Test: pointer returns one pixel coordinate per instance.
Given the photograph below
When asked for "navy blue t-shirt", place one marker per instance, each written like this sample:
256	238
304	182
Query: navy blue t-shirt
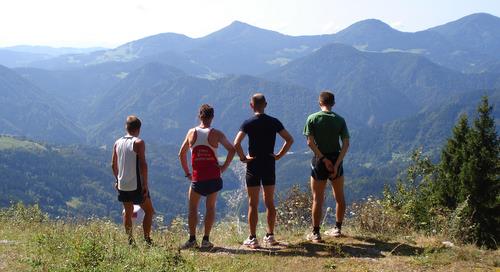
261	130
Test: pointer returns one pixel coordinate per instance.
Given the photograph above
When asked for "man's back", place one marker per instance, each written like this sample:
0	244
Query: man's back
327	128
128	174
261	130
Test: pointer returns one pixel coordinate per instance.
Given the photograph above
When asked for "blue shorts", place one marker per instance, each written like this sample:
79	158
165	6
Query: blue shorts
207	187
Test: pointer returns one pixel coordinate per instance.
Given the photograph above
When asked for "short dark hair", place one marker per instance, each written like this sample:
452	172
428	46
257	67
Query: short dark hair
206	112
258	100
133	123
326	98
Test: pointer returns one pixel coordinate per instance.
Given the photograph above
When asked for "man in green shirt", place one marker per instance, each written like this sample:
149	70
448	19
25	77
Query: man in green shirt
324	130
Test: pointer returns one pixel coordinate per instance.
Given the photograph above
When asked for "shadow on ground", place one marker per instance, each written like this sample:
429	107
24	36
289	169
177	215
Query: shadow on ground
341	247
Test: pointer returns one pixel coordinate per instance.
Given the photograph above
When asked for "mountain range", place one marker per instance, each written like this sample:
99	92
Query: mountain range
469	44
397	90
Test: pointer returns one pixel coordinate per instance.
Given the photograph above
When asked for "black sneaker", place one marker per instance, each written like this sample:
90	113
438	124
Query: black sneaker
131	241
148	241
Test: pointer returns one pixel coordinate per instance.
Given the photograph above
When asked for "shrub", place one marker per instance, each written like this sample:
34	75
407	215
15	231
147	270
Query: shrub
461	225
371	216
294	208
23	214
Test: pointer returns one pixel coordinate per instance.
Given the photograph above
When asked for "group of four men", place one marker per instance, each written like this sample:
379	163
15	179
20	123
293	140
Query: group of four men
323	130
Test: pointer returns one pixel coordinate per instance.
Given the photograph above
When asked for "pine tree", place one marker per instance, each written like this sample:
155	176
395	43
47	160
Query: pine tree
449	188
480	176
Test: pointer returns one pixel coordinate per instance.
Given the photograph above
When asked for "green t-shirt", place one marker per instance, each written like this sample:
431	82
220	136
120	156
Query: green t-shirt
327	128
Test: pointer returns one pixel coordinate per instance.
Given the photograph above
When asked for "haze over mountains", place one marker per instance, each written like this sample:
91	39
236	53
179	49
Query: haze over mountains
397	90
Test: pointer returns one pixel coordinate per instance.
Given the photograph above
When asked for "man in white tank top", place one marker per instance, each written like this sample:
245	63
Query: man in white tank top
131	177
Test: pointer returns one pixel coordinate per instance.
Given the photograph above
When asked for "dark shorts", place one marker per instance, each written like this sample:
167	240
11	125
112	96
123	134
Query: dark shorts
132	196
261	172
207	187
318	168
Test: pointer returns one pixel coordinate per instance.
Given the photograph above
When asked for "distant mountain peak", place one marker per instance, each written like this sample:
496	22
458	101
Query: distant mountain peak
479	16
371	24
240	26
239	29
236	23
474	23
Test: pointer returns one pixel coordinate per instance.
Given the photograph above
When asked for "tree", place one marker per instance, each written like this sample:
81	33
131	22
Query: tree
480	176
449	188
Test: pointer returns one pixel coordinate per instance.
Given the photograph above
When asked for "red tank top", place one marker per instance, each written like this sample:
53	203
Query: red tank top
204	157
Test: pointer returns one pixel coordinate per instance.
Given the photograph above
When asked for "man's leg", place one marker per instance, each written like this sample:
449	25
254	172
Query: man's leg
253	206
194	200
318	192
127	219
147	206
338	193
268	195
210	213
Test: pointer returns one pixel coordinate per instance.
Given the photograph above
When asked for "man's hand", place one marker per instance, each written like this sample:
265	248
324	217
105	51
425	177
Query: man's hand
335	170
189	176
116	185
247	159
329	165
145	191
223	169
276	156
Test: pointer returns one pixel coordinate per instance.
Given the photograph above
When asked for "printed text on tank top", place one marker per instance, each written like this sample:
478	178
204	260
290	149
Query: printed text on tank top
204	156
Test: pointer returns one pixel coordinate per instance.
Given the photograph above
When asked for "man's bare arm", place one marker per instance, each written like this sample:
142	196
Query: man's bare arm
114	166
183	155
343	152
286	145
312	145
230	151
140	149
239	150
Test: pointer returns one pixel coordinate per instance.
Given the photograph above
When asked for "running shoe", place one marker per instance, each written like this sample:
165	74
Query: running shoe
148	241
314	237
189	244
205	244
131	241
251	242
269	240
334	232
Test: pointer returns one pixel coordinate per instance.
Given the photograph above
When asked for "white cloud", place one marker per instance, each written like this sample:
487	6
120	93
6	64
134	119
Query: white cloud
396	24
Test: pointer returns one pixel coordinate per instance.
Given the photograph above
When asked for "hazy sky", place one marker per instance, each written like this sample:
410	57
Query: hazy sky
109	23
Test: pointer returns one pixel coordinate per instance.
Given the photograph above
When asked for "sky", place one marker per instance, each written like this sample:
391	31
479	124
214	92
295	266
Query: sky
110	23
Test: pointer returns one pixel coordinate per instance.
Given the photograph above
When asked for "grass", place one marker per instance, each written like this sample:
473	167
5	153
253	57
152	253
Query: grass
31	242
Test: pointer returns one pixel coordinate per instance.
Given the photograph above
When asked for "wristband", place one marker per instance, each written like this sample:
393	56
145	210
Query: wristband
187	175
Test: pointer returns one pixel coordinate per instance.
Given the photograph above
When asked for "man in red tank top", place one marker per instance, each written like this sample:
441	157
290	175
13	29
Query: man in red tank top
206	175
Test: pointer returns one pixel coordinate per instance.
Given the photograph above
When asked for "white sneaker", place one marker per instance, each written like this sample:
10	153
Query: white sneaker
188	245
251	243
314	237
334	232
269	240
206	244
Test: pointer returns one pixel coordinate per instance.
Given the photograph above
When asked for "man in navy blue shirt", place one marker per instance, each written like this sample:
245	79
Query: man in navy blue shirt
261	130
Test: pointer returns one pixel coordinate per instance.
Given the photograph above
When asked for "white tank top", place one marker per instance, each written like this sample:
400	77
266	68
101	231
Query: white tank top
128	164
202	139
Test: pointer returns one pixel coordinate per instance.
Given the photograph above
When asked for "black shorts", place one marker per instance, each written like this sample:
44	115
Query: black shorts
132	196
261	172
318	168
207	187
